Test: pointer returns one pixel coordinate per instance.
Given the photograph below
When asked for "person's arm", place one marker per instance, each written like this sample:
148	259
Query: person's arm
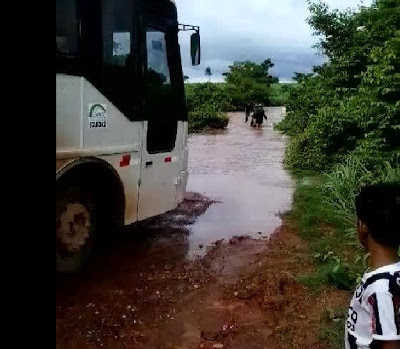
385	317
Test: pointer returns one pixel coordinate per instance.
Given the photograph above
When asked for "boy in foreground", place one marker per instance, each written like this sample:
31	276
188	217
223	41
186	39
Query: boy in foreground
374	314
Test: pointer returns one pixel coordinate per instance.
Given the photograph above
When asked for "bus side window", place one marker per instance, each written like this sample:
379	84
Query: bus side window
117	75
121	47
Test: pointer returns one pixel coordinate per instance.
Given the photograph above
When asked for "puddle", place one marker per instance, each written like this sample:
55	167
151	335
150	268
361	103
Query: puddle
240	167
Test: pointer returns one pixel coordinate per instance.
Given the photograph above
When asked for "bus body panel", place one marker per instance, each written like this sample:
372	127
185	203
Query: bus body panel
150	189
129	176
160	178
89	126
184	153
119	132
68	113
76	140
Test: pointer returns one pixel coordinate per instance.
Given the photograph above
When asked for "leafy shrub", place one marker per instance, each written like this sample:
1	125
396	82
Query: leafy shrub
207	118
207	105
207	95
349	106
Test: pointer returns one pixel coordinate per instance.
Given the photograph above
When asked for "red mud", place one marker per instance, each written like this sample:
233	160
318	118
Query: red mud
144	293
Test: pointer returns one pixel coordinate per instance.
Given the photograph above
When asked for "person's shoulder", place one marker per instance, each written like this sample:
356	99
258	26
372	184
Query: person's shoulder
382	280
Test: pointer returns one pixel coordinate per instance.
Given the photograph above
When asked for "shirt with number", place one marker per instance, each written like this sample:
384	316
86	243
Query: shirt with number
374	312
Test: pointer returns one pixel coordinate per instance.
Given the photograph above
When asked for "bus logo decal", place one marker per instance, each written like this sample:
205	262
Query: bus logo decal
97	115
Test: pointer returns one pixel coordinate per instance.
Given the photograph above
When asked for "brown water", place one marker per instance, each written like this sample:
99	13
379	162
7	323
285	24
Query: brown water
240	167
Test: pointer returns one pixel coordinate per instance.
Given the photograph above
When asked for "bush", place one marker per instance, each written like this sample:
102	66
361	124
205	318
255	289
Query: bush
203	119
350	106
280	93
303	154
207	105
207	95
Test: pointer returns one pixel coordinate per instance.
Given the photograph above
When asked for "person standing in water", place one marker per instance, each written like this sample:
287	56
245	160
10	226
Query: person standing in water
248	109
259	115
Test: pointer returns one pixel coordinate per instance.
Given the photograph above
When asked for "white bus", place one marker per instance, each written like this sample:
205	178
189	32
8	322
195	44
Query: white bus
121	119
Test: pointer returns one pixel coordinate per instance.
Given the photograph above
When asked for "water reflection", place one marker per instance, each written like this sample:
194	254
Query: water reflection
240	167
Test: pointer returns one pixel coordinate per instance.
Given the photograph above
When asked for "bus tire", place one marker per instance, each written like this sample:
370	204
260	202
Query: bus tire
76	228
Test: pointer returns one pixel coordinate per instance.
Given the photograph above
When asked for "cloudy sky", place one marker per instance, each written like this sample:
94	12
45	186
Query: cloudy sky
234	30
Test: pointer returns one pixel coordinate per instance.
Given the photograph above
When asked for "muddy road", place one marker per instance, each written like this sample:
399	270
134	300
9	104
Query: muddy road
206	275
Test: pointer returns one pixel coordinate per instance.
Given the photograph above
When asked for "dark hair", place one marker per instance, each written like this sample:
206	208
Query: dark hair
378	206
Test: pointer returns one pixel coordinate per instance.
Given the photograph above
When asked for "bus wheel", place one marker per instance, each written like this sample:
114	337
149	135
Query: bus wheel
75	230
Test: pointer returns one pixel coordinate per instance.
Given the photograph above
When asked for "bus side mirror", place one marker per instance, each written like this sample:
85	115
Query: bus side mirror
195	48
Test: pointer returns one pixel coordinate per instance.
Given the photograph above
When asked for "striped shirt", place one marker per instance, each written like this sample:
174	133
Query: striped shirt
374	312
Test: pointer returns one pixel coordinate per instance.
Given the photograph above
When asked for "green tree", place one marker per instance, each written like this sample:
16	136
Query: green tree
299	77
208	73
350	105
250	81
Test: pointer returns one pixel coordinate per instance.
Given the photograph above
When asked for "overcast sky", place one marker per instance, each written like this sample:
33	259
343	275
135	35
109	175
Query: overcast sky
233	30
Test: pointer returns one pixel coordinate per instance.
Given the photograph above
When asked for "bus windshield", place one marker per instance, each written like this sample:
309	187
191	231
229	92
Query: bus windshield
157	59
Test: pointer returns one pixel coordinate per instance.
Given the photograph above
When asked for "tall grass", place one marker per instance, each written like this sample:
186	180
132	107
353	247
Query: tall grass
346	180
339	257
325	215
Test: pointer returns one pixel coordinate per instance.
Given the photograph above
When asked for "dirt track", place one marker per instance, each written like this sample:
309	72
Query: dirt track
149	290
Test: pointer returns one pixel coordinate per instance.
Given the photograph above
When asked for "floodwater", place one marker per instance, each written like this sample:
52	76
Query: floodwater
150	291
241	168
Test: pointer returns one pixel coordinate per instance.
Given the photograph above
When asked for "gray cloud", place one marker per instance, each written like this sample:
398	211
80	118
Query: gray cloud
233	30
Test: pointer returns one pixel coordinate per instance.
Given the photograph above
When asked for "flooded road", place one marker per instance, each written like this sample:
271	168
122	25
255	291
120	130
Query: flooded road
241	168
147	290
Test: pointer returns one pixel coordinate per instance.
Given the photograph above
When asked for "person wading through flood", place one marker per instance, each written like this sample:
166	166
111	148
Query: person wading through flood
248	109
258	116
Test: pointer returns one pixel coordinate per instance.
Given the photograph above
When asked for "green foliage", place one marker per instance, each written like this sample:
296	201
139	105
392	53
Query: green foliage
210	95
207	104
349	106
330	238
280	93
333	325
249	81
345	181
207	118
344	122
324	213
335	273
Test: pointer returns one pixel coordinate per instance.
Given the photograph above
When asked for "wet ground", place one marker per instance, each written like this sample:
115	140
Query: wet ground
241	168
204	275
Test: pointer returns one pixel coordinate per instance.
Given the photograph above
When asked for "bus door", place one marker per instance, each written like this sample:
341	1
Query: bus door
160	165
